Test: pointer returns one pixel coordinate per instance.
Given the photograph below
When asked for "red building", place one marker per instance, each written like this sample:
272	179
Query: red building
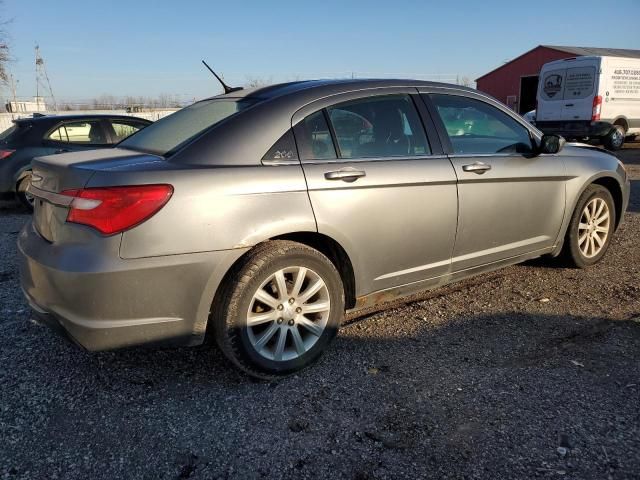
516	82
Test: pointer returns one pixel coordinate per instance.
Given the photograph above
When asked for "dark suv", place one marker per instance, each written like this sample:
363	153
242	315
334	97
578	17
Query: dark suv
49	134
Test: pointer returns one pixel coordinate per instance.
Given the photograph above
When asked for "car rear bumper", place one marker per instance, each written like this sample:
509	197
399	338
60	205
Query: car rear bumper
575	129
109	303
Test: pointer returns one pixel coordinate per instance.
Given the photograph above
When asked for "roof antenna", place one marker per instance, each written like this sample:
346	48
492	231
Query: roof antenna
227	88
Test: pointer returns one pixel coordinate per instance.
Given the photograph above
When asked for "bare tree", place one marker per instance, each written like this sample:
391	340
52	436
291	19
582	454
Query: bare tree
466	81
5	56
255	82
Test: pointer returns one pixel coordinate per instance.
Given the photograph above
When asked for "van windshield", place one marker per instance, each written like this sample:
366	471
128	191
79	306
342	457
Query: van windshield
168	134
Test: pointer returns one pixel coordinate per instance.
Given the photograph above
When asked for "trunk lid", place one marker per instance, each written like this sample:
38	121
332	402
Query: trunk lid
56	173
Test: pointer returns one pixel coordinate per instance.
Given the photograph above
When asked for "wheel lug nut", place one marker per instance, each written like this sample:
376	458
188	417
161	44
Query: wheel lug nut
291	300
291	323
298	310
280	321
280	307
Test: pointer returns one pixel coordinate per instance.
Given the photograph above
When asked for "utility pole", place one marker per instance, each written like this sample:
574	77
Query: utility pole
13	83
42	79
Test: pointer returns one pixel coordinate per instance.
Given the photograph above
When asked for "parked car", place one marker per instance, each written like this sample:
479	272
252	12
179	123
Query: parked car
590	97
259	216
42	135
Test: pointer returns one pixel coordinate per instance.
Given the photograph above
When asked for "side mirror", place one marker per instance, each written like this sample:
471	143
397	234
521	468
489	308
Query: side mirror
551	144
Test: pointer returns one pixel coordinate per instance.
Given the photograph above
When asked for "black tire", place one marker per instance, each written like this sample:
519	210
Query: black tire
233	301
572	252
21	192
615	138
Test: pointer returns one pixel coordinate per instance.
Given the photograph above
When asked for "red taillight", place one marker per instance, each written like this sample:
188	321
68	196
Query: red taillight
4	153
597	108
115	209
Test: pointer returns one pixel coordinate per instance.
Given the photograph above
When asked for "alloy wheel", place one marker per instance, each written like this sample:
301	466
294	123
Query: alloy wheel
288	313
594	226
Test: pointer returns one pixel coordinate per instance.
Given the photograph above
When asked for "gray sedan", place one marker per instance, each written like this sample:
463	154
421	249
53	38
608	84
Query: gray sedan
259	216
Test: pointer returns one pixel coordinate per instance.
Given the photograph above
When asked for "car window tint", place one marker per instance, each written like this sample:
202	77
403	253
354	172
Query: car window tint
85	132
8	132
123	129
314	138
169	134
385	126
475	126
283	149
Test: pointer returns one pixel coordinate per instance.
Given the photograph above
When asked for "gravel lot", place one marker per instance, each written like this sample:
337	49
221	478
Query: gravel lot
530	372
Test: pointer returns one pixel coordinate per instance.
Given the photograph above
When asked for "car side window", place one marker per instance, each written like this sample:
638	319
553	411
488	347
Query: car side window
82	133
314	138
476	127
123	129
283	149
383	126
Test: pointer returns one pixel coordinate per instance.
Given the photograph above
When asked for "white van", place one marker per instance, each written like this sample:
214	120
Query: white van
590	97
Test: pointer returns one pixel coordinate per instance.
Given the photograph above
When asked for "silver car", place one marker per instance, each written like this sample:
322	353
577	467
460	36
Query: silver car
258	217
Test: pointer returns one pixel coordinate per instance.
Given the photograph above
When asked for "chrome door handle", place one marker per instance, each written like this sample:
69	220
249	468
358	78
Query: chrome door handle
347	174
476	167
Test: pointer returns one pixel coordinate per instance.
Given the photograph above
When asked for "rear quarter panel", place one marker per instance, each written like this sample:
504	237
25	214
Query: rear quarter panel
216	208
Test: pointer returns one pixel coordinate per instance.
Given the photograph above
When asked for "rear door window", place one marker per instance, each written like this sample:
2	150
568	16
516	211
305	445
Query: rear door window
476	127
80	133
384	126
314	138
124	128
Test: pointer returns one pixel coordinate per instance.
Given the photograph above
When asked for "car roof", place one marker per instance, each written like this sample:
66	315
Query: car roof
83	116
277	90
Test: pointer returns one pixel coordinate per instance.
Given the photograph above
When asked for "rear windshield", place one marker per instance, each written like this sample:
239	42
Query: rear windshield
168	134
14	131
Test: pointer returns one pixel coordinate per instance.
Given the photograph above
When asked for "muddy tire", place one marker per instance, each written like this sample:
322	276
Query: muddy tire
279	309
591	228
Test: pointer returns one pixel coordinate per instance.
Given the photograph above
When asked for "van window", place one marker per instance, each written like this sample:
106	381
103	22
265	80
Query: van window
552	84
579	82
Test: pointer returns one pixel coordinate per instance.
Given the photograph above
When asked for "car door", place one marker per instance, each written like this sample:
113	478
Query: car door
378	186
74	135
511	202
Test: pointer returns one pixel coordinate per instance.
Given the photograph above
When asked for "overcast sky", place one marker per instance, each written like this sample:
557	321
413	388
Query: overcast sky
144	47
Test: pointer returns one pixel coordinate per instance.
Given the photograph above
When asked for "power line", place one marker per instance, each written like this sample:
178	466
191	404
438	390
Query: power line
42	79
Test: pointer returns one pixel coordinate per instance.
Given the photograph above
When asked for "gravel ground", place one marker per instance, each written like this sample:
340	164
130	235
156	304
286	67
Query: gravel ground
530	372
